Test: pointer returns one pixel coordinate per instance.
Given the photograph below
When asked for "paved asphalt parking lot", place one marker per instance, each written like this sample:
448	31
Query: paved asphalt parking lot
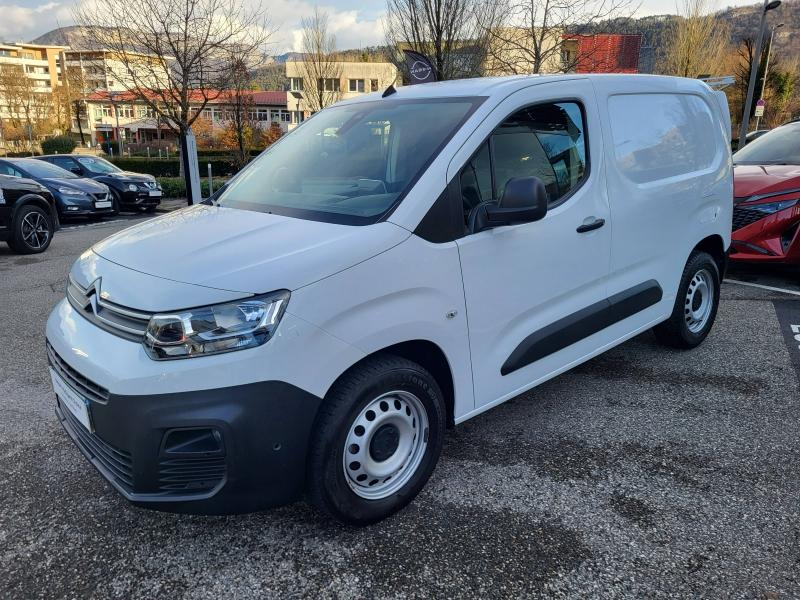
645	472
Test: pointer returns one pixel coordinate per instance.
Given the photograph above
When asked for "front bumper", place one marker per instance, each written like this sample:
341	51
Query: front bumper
69	206
220	451
261	402
772	238
139	199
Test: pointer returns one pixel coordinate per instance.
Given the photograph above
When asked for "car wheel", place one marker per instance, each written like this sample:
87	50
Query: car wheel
376	440
695	305
116	202
32	230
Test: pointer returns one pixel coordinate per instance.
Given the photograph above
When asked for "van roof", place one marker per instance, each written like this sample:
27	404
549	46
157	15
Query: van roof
489	86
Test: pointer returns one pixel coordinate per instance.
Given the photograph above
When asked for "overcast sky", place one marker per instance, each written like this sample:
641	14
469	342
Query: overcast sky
356	23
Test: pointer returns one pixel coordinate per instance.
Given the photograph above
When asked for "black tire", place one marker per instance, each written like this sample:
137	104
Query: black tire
682	330
23	240
329	488
116	202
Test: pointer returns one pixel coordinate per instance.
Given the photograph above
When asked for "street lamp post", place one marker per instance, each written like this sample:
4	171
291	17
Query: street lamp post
766	66
751	85
113	97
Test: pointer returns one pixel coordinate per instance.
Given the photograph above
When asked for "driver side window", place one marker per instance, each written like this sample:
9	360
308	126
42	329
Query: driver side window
545	140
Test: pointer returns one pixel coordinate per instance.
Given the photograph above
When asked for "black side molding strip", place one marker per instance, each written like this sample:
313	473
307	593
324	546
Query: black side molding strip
582	324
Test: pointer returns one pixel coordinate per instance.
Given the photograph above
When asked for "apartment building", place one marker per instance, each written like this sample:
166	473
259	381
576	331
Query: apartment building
112	114
343	80
105	70
41	67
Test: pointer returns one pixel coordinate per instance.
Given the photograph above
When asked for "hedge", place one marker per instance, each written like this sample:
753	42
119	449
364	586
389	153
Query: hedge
175	187
60	144
162	167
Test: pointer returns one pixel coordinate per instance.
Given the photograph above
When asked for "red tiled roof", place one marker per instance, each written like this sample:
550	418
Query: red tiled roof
268	98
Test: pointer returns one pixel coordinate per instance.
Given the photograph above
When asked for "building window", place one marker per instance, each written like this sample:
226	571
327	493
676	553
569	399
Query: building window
298	116
102	111
286	116
125	112
373	85
357	85
328	85
296	84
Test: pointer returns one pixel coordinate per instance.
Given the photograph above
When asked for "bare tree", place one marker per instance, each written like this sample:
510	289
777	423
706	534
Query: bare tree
320	68
175	56
534	33
28	108
239	104
697	43
453	34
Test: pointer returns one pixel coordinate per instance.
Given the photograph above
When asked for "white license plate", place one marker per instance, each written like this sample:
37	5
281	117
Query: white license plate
156	193
75	403
102	204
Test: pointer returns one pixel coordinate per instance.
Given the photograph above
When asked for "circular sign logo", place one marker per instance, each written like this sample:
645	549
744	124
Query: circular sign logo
420	70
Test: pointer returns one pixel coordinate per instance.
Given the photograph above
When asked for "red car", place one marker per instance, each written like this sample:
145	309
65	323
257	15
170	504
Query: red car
766	188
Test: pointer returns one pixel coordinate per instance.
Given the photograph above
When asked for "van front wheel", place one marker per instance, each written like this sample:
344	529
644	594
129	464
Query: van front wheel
376	440
695	305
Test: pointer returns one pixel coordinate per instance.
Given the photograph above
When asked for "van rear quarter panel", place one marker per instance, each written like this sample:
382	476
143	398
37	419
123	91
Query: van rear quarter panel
660	206
412	291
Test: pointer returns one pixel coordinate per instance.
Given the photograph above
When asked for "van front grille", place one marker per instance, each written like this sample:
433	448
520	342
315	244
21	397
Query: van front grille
195	474
80	383
117	463
124	322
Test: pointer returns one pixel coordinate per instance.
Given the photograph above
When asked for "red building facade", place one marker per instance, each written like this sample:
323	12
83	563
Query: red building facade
602	53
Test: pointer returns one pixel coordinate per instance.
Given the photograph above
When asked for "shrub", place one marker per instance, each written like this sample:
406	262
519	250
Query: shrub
175	187
23	154
60	144
220	166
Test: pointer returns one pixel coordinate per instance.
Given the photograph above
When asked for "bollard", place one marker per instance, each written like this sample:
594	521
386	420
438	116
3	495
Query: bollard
210	182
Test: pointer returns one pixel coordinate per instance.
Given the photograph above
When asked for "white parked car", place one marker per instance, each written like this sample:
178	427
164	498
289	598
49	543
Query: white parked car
393	267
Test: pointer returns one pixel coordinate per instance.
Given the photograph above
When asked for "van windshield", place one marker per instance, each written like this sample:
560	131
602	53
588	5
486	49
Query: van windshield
349	164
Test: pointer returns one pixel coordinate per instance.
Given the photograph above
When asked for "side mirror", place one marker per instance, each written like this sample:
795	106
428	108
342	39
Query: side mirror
524	201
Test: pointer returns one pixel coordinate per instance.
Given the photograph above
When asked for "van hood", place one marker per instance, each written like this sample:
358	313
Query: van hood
755	180
244	251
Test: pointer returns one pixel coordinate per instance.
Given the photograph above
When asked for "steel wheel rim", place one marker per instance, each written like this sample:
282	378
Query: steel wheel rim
35	231
366	443
699	301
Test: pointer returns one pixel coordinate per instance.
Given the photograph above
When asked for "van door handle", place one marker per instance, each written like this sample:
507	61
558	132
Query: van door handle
591	226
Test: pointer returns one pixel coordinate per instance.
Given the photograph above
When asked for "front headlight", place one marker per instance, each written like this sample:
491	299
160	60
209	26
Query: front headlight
214	329
71	191
133	187
774	207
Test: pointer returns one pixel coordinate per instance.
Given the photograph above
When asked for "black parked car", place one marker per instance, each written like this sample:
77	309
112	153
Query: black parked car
128	190
28	216
75	196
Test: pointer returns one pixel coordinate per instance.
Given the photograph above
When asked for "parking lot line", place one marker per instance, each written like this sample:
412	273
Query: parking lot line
763	287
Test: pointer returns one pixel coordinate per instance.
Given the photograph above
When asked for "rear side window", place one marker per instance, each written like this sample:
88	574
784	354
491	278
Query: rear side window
64	163
661	135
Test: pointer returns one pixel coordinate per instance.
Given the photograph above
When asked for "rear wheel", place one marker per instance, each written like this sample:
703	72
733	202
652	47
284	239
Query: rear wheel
32	230
376	440
695	305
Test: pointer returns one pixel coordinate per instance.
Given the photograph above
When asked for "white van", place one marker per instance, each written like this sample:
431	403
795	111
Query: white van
396	265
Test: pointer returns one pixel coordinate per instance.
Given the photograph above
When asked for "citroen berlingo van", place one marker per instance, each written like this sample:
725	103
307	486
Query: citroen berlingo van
398	264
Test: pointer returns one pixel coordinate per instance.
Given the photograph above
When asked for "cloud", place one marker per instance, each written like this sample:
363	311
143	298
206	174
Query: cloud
23	23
